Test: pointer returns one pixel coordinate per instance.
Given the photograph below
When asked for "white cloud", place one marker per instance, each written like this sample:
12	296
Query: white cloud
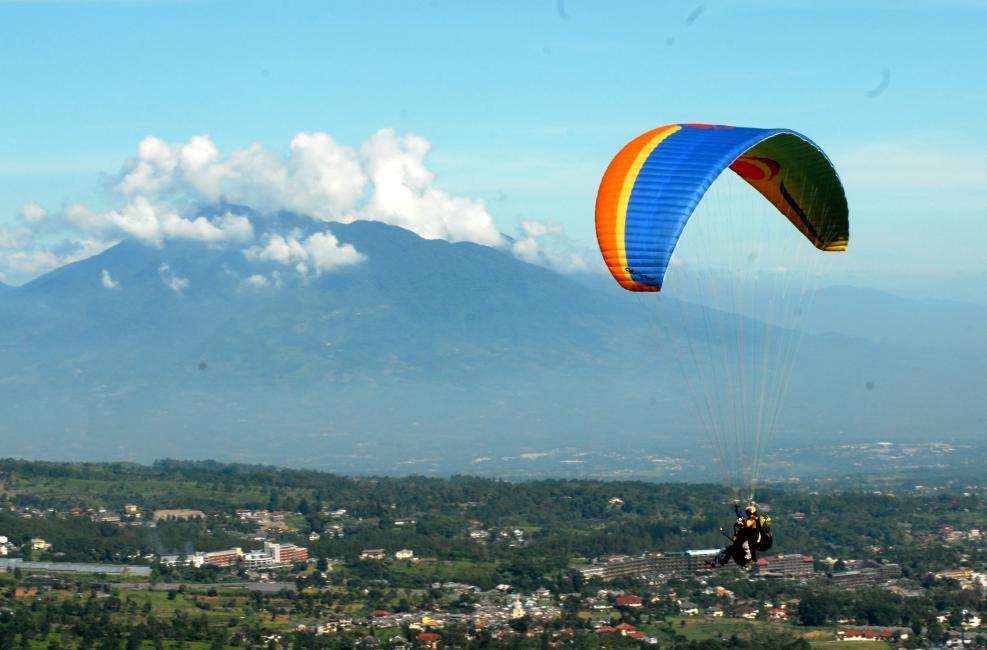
384	179
404	194
257	280
152	169
318	252
325	178
33	262
544	244
107	281
32	212
535	229
15	238
30	262
177	284
319	177
174	282
526	250
152	223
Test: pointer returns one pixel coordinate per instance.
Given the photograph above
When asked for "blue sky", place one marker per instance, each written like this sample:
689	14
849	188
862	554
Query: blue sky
523	103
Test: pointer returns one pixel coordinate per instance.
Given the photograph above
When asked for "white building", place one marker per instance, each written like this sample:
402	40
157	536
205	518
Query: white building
255	560
404	554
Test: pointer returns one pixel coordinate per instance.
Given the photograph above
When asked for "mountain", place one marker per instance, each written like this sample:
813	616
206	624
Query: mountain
887	318
426	357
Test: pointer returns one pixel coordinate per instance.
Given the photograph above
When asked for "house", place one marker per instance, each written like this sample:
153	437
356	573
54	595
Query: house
373	554
428	640
777	614
178	513
404	554
38	544
629	601
625	629
872	633
131	509
688	609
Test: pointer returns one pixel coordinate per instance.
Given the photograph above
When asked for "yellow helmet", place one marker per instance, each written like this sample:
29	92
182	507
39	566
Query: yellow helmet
750	510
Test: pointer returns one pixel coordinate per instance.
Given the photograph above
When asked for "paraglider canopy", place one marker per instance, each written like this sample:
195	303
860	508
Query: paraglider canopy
655	182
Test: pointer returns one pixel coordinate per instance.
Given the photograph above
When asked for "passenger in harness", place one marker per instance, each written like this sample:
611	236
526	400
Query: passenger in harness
751	533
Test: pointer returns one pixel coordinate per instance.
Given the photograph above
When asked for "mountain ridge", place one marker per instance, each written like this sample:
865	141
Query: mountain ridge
425	356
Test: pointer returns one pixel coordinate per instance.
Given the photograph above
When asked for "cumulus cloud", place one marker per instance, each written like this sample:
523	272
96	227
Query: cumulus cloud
535	229
152	223
176	283
319	177
107	281
15	238
544	244
386	178
316	253
32	212
404	193
30	262
35	261
258	280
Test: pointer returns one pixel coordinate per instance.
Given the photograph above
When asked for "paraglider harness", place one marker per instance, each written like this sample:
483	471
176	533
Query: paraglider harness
746	541
764	539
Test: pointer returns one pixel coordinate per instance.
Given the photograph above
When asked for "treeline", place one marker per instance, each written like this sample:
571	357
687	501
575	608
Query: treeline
560	519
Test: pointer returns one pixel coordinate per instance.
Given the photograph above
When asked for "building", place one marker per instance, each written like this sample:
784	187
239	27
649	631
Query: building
286	553
777	614
650	564
858	578
257	560
404	554
872	633
226	557
178	513
38	544
785	566
629	601
688	608
871	573
373	554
